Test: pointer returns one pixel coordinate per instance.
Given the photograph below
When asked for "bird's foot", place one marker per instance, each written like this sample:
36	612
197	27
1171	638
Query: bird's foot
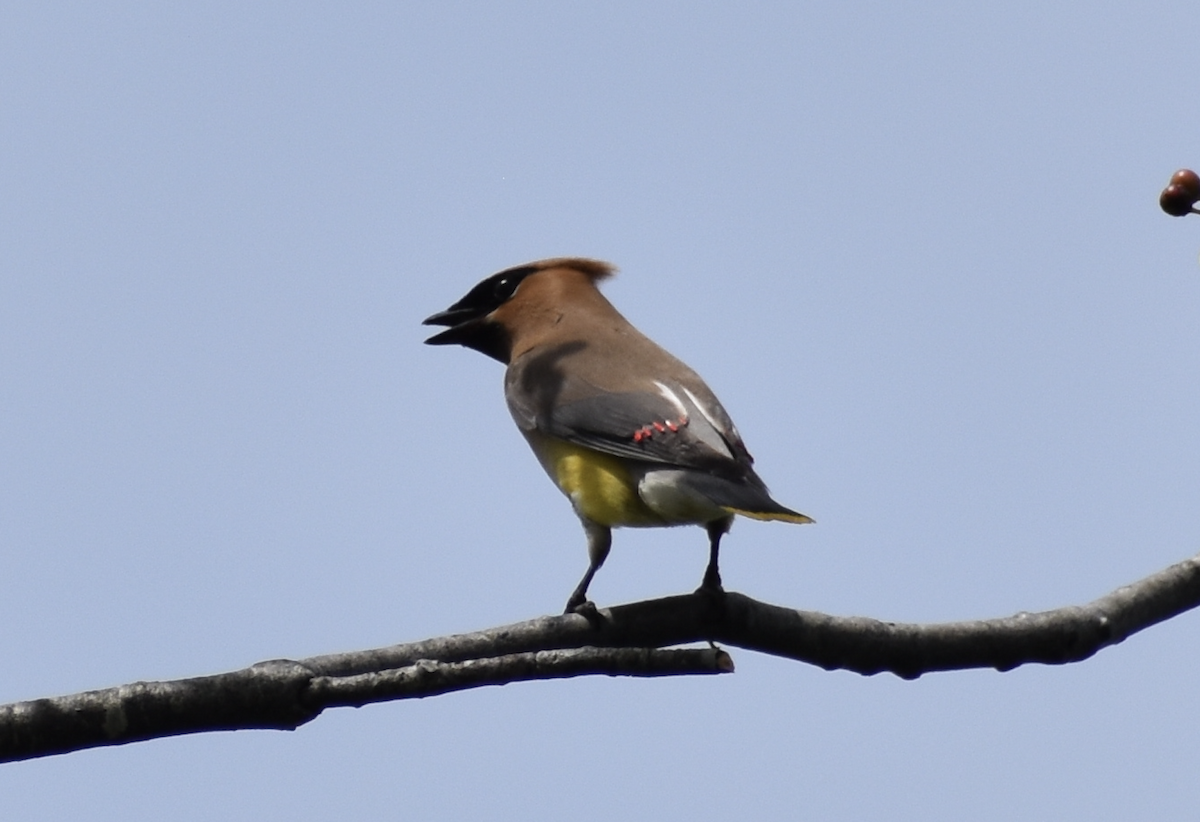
586	609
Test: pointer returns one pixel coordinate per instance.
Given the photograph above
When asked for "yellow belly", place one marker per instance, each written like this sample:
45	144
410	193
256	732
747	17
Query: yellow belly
599	485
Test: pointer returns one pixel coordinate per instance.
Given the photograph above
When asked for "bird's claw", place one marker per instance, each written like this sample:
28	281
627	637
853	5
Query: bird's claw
586	609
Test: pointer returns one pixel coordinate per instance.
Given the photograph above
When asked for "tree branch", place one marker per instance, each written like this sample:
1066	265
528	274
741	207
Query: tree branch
283	694
626	640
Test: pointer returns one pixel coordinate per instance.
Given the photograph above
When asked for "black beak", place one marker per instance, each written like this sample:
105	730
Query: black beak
463	325
456	335
451	316
469	327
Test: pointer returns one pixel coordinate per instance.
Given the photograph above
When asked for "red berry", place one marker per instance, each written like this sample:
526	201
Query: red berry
1176	200
1189	181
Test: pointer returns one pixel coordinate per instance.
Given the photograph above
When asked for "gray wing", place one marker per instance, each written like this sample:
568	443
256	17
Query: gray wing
670	425
647	426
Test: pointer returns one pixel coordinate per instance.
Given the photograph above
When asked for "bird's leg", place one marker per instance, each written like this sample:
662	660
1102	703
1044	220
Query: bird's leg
712	574
579	596
599	539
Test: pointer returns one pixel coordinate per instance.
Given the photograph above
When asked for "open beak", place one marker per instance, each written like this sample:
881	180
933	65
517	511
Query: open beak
467	324
463	324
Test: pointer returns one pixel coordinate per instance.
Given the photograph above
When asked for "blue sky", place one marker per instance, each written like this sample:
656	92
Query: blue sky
917	253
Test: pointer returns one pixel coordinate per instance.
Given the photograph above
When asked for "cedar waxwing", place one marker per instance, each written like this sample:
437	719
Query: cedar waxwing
629	433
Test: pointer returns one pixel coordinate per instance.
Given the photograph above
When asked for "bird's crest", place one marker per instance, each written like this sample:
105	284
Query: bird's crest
594	270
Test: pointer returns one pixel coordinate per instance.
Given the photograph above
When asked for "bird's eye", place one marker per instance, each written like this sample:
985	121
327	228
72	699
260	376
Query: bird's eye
505	287
498	288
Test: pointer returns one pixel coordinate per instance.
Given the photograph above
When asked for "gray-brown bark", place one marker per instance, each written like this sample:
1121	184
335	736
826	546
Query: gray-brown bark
627	640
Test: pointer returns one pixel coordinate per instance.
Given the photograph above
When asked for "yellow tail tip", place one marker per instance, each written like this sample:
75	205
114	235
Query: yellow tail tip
773	516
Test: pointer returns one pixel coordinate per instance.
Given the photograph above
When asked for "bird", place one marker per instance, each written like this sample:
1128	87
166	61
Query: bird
630	434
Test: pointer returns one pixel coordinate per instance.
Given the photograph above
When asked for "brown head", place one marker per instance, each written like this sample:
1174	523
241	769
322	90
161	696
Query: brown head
513	310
